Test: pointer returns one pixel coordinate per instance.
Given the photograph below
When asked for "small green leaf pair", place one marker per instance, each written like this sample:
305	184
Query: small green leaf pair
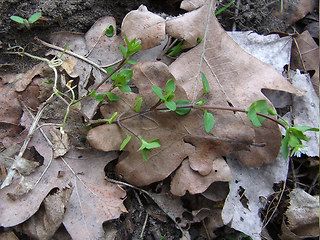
147	146
259	106
293	139
133	46
101	96
121	79
168	98
33	18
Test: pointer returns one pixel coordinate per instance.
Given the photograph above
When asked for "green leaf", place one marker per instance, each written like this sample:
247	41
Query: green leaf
34	17
200	102
205	83
93	93
169	96
123	51
260	106
170	86
110	120
110	70
148	144
125	142
158	92
208	121
132	62
171	105
224	8
125	88
138	104
284	146
112	97
18	19
145	154
306	128
99	97
109	31
133	46
272	112
176	49
294	141
123	77
182	111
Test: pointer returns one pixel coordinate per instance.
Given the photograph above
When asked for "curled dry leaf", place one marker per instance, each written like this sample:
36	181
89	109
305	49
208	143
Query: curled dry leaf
61	143
144	25
45	222
190	27
190	5
187	179
303	214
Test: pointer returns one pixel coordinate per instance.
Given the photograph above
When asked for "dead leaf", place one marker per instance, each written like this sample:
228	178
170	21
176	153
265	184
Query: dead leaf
95	45
21	189
187	179
145	26
234	81
190	5
61	143
306	58
93	201
8	236
68	64
44	223
189	27
303	214
294	10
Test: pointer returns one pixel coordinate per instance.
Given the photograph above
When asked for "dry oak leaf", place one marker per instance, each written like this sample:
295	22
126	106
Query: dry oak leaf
176	134
92	202
236	79
144	25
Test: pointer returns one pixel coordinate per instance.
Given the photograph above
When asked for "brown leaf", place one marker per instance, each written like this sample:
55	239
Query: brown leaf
190	27
187	179
190	5
93	201
294	10
44	223
144	25
234	81
61	143
306	57
91	45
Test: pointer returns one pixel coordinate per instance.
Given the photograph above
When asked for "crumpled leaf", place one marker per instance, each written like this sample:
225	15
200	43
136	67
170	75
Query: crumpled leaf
93	200
187	179
61	143
308	54
294	10
90	45
190	5
235	81
45	222
302	216
144	25
190	27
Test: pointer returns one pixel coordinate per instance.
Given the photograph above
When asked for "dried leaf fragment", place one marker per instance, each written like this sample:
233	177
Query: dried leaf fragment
144	25
60	141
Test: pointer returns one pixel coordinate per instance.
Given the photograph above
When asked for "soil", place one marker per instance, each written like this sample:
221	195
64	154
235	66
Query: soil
79	16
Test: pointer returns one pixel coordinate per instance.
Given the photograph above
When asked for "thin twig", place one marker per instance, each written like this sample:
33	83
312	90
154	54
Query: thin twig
76	55
144	225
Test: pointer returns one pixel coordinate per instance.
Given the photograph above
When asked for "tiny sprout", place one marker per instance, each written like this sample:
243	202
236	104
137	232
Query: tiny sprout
26	22
109	31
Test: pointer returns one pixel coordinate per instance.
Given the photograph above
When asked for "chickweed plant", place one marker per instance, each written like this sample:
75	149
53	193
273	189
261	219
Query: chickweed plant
257	112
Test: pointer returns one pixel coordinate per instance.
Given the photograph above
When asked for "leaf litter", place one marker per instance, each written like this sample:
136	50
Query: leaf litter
186	149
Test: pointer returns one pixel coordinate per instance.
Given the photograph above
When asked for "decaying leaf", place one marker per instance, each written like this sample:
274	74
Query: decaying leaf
235	81
189	27
61	143
92	201
303	214
145	26
306	58
44	223
190	5
20	189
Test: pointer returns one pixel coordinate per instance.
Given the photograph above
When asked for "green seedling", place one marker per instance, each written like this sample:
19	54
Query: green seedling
125	142
133	46
176	49
109	31
26	22
259	106
147	146
224	8
138	104
102	96
167	99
